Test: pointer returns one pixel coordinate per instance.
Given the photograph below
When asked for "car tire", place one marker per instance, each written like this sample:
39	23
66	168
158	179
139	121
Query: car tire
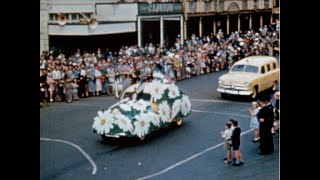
254	93
142	138
105	138
223	95
274	87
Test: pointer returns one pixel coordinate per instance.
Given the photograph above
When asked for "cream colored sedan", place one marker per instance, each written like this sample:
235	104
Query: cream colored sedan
250	76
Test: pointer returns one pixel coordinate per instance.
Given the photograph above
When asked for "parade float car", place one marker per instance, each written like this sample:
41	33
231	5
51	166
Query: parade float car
250	76
143	108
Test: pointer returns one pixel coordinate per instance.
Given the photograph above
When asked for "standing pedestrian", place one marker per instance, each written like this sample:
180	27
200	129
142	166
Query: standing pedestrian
265	117
276	111
254	123
226	134
235	138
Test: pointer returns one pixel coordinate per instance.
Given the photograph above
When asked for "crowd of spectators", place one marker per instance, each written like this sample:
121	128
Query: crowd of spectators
84	74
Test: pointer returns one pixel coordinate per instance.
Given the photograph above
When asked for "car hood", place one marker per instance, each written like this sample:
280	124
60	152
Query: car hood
237	77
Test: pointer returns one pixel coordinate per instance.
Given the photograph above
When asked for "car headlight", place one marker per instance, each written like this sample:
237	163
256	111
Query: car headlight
247	84
220	81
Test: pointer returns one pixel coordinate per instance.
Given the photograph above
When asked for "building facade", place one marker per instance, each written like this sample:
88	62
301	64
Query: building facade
108	22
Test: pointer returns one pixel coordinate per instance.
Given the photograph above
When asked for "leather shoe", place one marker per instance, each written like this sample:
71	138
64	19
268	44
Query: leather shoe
237	164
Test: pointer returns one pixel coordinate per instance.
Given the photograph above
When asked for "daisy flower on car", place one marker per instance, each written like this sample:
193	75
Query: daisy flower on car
176	108
173	91
123	122
157	89
141	126
185	105
125	107
140	105
164	111
154	118
103	122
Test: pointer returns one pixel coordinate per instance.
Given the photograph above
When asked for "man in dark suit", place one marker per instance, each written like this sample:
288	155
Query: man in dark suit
265	117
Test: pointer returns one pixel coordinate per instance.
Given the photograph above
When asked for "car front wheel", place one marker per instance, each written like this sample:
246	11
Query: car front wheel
142	138
179	121
254	93
223	95
105	138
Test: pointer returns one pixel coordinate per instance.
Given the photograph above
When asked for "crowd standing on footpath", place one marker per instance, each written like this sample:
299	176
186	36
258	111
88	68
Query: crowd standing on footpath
84	74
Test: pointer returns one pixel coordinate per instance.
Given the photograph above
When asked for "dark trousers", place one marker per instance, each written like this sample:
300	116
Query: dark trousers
266	141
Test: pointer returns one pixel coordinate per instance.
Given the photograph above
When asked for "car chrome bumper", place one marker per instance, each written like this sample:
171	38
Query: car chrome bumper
234	92
116	135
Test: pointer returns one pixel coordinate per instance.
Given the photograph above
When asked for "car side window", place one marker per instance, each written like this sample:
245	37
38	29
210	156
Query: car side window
268	67
262	70
250	68
274	65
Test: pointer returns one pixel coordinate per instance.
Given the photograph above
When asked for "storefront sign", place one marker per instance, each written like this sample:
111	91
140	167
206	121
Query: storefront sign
159	8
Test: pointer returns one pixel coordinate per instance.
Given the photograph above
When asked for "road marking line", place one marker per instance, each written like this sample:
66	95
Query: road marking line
186	160
79	148
194	110
216	100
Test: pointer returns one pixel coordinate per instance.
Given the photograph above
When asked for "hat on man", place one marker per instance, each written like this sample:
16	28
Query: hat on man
265	98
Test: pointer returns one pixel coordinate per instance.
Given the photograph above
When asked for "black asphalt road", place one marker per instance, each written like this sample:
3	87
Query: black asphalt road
70	150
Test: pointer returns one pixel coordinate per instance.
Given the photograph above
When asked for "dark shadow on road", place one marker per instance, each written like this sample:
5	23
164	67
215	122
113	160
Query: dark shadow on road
124	142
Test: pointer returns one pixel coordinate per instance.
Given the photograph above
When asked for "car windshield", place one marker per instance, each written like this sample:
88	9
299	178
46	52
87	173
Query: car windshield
245	68
144	96
127	94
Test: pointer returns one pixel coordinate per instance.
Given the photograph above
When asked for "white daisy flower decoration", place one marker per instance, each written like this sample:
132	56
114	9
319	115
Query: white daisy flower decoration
115	111
140	105
173	91
185	105
125	107
176	108
103	122
123	122
154	118
157	89
164	111
141	126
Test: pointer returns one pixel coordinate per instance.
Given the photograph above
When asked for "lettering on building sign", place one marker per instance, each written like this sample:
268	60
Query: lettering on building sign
157	8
